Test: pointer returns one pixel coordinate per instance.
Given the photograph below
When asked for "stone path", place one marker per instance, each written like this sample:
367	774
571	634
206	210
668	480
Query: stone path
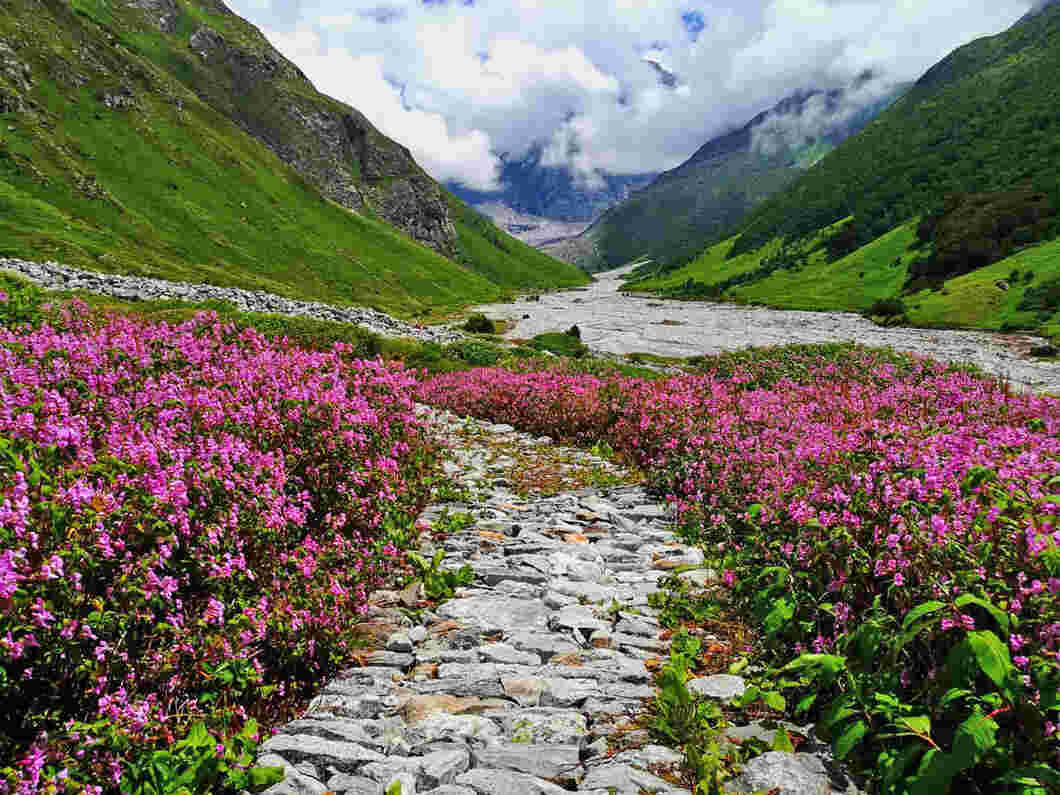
521	683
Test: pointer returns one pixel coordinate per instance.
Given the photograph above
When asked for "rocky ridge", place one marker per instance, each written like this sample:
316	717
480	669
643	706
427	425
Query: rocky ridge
53	276
331	144
523	682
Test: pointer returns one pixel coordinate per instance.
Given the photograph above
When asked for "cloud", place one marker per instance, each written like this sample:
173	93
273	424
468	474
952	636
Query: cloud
463	81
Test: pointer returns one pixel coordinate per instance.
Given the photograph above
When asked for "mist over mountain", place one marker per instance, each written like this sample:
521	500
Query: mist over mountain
684	209
537	193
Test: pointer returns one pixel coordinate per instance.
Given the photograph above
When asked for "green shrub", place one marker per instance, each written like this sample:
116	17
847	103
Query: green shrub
480	324
561	344
887	307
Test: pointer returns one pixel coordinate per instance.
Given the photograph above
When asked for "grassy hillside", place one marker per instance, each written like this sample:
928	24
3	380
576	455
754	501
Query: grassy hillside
1019	292
947	205
982	119
111	159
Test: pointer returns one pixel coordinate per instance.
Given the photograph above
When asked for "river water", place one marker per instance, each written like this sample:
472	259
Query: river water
613	322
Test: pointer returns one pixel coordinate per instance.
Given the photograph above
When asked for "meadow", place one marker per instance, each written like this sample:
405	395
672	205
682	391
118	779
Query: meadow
194	512
192	516
887	524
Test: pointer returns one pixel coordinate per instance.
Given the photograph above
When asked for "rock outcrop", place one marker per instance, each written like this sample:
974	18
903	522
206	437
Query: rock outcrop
329	143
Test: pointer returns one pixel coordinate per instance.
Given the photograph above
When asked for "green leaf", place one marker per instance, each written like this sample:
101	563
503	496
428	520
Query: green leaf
851	736
779	616
1000	616
739	665
935	774
805	703
782	742
994	660
976	736
1040	775
774	700
261	778
920	611
918	724
901	763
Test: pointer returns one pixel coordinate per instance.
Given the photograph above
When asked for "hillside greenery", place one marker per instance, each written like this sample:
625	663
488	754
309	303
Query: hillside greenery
983	119
110	160
1019	292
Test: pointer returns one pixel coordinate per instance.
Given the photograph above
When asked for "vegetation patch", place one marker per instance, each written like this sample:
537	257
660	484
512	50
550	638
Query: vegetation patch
886	525
190	516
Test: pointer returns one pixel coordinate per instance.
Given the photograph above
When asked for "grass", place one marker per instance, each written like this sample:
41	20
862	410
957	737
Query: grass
875	271
851	283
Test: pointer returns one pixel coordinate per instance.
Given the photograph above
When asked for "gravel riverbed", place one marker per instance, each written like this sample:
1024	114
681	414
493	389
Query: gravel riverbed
53	276
617	323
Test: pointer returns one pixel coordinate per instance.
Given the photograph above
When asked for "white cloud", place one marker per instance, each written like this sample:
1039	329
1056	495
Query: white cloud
460	82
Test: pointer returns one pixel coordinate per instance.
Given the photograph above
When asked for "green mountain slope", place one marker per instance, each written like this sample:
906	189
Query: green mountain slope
167	138
683	210
947	205
982	119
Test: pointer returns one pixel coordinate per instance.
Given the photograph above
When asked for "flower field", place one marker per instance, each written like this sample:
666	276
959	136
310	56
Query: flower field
889	523
191	519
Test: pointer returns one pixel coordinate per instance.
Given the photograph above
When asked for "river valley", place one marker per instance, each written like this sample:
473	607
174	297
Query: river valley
612	321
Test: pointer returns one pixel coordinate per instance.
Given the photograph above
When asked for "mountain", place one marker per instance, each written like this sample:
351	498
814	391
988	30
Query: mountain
673	218
945	210
982	119
169	138
538	202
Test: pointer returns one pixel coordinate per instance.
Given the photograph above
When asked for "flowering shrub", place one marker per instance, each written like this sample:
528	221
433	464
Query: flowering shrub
190	517
890	521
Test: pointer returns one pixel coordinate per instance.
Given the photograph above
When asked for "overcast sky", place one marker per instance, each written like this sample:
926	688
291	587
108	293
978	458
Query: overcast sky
624	86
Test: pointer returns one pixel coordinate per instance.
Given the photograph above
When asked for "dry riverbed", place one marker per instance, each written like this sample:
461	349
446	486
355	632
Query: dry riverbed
618	323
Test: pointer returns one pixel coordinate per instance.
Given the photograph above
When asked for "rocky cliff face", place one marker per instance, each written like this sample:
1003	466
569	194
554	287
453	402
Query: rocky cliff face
331	144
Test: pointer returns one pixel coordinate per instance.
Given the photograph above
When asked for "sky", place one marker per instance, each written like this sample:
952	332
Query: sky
615	86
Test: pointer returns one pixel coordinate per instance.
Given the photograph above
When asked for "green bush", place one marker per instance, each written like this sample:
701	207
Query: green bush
887	307
561	344
480	324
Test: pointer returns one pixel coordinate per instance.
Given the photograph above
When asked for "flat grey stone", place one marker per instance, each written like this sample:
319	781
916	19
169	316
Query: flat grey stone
450	789
721	686
491	612
507	782
544	761
342	729
392	766
354	785
576	617
568	692
503	653
399	642
462	728
417	634
344	757
787	774
649	756
442	767
624	779
545	725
